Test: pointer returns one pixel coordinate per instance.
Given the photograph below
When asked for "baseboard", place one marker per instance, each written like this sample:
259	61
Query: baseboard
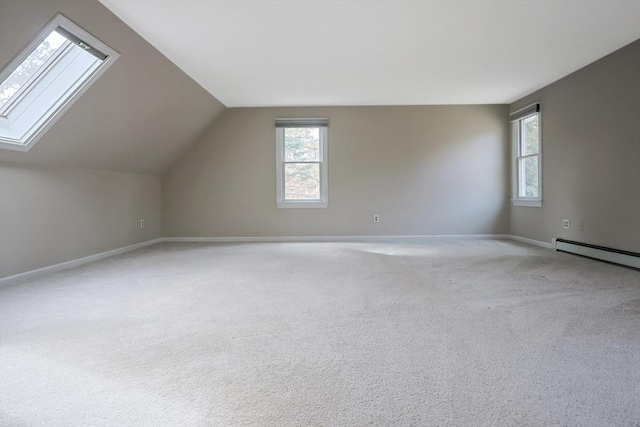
33	274
17	278
532	242
267	239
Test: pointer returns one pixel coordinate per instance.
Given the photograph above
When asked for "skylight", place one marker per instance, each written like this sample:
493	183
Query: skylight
46	78
29	69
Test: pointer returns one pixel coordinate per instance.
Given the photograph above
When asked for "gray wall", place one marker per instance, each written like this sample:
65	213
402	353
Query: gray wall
591	155
48	216
424	170
138	117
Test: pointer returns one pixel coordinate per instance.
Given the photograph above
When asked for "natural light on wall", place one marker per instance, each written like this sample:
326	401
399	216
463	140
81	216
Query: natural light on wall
44	80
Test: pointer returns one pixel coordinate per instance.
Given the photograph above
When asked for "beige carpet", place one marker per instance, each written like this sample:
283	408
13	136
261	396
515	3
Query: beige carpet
431	333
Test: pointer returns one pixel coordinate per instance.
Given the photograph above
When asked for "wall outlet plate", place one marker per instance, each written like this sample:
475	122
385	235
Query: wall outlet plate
142	223
565	223
376	218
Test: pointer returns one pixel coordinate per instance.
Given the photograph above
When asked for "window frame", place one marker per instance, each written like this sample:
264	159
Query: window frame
516	136
281	163
40	123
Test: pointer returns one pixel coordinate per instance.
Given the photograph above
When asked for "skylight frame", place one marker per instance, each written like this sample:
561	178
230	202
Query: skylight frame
53	114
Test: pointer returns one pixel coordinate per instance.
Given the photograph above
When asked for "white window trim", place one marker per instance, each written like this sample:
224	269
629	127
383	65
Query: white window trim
51	117
516	200
530	203
323	202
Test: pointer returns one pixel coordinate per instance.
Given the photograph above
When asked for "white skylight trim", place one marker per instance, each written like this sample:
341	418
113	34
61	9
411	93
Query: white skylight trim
46	78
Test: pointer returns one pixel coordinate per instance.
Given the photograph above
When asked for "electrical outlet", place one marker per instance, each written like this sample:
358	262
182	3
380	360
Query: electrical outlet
565	223
581	226
376	218
142	223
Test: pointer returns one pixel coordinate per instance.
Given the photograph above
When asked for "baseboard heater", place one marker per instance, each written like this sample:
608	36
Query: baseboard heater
615	256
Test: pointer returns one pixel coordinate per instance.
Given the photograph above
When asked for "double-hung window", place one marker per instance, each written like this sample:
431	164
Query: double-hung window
527	156
39	84
301	163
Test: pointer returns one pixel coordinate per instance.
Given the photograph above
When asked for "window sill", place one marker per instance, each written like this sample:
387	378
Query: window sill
302	205
527	203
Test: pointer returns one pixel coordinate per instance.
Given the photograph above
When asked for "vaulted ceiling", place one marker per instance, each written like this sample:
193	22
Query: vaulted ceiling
278	53
148	108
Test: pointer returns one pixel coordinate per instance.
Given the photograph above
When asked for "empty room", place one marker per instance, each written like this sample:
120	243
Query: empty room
319	213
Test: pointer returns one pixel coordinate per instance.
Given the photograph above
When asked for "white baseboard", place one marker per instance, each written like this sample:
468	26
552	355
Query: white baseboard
33	274
328	238
532	242
352	239
17	278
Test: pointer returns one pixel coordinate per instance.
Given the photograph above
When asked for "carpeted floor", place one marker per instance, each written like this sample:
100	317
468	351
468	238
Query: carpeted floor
428	333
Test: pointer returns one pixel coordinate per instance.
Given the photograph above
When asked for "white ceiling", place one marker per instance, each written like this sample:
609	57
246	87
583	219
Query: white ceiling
281	53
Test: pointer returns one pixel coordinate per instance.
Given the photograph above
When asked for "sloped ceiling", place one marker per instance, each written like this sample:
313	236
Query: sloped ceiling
371	52
138	117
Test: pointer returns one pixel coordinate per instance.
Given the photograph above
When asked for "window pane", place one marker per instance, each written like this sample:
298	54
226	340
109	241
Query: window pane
302	181
30	66
528	180
302	144
530	137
